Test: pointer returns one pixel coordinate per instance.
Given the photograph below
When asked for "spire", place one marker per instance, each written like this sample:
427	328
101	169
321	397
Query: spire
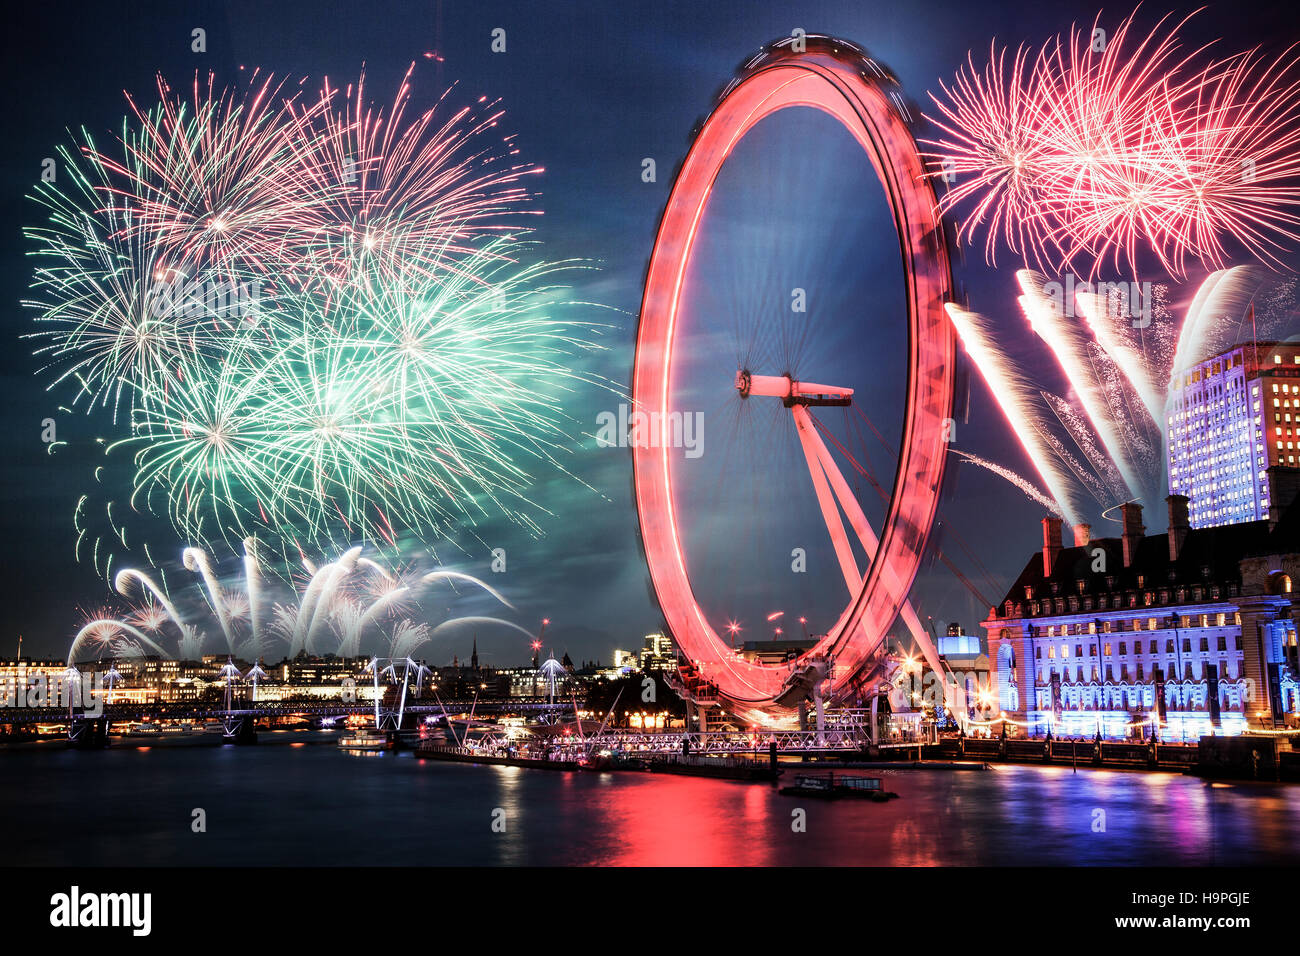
473	657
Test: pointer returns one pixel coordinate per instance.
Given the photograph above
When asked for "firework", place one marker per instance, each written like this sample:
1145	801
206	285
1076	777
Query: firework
1048	322
219	181
426	401
1013	397
309	316
1080	155
419	193
1020	482
1119	391
342	607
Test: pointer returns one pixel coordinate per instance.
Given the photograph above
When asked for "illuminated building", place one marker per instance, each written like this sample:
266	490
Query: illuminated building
657	653
317	671
957	643
20	678
963	656
1192	626
159	679
26	670
1233	427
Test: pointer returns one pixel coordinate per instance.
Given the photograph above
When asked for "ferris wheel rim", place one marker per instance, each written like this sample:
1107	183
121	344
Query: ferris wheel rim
839	79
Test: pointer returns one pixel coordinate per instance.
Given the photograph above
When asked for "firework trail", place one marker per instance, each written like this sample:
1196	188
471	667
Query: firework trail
1022	483
1046	319
1100	313
337	611
1207	329
1116	424
1111	487
1014	399
1079	155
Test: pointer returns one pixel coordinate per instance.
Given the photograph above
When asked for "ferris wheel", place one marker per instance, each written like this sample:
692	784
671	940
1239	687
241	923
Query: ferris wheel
838	79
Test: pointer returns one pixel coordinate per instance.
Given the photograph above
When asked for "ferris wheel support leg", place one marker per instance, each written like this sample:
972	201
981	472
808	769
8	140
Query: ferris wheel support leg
826	500
809	441
814	447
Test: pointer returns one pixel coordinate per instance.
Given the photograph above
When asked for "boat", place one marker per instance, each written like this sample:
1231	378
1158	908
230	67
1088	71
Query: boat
603	760
832	787
365	740
611	760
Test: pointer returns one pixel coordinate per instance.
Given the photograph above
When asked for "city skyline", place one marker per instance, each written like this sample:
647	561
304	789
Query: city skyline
603	551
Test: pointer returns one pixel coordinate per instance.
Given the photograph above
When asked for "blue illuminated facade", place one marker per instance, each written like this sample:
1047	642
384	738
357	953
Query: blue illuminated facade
1190	631
1232	423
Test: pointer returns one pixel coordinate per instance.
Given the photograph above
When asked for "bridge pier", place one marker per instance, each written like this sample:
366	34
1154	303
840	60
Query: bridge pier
88	733
240	730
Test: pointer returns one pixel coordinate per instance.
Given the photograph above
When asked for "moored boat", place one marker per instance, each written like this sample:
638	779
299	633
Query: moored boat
365	740
832	787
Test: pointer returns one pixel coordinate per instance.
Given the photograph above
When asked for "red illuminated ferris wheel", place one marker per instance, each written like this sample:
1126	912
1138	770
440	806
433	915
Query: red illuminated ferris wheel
839	79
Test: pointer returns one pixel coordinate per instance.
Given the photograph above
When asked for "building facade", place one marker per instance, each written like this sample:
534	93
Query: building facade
1233	427
1191	630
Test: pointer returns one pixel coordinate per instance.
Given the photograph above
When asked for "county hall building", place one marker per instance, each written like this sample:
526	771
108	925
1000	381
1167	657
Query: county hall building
1193	627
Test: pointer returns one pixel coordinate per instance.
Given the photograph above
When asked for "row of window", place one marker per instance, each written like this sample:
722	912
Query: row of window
1154	647
1144	624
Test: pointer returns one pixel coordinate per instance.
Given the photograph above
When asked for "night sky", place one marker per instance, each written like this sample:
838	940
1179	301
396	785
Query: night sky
591	90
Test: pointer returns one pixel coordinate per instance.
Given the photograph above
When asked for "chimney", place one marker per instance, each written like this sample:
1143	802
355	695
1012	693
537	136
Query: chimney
1133	530
1284	484
1051	543
1082	535
1178	524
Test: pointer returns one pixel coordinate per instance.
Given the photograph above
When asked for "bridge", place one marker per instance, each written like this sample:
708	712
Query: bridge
91	727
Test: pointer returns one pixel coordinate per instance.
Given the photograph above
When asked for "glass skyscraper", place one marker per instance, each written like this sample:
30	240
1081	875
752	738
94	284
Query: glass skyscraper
1229	420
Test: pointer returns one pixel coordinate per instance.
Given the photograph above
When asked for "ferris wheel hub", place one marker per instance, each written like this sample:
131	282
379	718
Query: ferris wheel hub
790	391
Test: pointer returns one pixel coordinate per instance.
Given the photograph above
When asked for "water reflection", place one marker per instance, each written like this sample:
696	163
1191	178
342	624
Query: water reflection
314	805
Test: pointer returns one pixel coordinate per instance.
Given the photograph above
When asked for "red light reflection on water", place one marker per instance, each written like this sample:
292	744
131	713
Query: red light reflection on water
661	821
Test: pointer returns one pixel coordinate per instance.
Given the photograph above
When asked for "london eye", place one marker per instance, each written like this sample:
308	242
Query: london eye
878	558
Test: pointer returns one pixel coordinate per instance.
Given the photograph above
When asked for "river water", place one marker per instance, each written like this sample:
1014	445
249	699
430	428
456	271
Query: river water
295	799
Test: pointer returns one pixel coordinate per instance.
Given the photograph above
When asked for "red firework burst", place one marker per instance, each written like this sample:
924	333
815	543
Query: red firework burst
1099	150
